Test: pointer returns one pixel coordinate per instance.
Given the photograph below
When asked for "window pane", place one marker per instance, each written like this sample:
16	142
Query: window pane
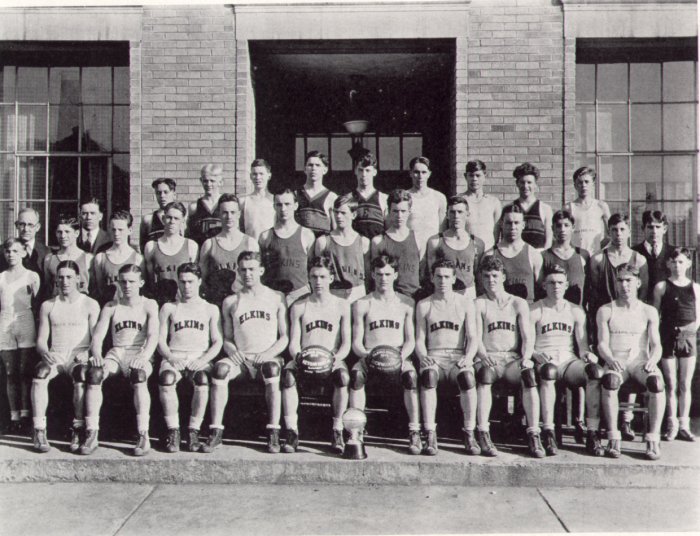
612	127
645	82
679	127
120	182
7	83
389	153
679	177
97	85
317	144
63	178
585	127
64	128
32	178
646	178
612	82
31	128
646	127
7	219
585	82
412	146
97	128
7	127
7	177
121	119
121	85
32	84
94	177
613	177
339	154
64	85
299	154
638	208
680	224
679	81
370	143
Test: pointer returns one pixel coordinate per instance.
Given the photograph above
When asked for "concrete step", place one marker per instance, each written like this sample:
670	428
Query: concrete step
388	463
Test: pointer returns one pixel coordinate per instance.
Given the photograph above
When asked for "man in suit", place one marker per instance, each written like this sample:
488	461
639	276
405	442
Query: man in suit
92	238
654	249
28	226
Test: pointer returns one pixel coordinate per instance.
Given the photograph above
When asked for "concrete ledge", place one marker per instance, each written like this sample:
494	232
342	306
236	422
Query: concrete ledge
245	462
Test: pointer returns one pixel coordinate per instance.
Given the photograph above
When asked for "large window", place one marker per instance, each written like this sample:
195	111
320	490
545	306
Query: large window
636	108
64	134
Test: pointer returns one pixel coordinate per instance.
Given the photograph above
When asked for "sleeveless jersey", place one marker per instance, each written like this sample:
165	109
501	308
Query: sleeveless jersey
129	325
384	324
311	213
285	260
480	222
107	275
70	326
576	268
348	261
520	280
16	296
369	219
189	327
255	322
589	229
555	330
156	229
219	258
165	266
50	268
628	332
258	215
444	324
203	224
407	254
424	219
605	292
500	327
465	260
677	307
320	326
534	232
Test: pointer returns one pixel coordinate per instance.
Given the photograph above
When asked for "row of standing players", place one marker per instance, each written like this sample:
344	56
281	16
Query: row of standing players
391	226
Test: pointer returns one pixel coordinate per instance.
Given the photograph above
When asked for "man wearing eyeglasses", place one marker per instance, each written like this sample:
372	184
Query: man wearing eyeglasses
27	226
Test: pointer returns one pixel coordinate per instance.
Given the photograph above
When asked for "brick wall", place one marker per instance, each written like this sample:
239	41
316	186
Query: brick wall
188	94
515	92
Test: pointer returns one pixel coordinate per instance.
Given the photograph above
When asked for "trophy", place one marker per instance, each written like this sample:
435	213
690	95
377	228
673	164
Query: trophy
354	421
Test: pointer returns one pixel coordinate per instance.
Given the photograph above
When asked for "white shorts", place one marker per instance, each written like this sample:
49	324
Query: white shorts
67	361
18	331
446	364
634	370
507	366
187	356
248	367
556	357
122	357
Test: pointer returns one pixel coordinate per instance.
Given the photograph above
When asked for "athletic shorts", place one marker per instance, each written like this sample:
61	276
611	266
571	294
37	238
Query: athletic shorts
351	295
676	346
634	370
67	361
19	331
446	365
189	357
507	366
250	369
122	357
560	358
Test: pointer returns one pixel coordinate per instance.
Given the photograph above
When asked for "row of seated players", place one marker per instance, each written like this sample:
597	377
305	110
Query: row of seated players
448	337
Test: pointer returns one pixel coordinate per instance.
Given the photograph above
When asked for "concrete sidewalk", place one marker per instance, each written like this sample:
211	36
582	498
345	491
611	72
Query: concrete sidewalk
142	510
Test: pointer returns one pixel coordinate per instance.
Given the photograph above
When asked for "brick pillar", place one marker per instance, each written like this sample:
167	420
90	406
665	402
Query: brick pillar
135	175
461	156
570	161
245	117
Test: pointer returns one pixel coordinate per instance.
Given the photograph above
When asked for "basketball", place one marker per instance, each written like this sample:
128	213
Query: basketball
315	362
384	362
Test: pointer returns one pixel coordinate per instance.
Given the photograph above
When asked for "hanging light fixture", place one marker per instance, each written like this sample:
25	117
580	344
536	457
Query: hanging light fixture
356	125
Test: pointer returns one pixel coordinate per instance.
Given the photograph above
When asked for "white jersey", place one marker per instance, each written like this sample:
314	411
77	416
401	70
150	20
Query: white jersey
501	332
589	229
480	221
129	325
424	220
189	327
255	327
320	324
258	215
444	324
555	329
16	296
384	323
70	325
628	332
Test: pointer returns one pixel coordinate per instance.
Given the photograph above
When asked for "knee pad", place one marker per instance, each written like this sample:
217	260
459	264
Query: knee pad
594	371
528	377
655	383
466	380
95	375
221	371
549	372
80	373
486	376
167	378
42	371
137	375
611	382
341	378
201	377
270	369
358	379
409	379
288	379
429	379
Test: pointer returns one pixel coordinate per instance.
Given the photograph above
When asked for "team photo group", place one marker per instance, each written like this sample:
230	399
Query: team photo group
407	293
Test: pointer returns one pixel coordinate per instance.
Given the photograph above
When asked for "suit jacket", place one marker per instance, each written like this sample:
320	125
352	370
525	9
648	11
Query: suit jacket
33	262
658	271
102	242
